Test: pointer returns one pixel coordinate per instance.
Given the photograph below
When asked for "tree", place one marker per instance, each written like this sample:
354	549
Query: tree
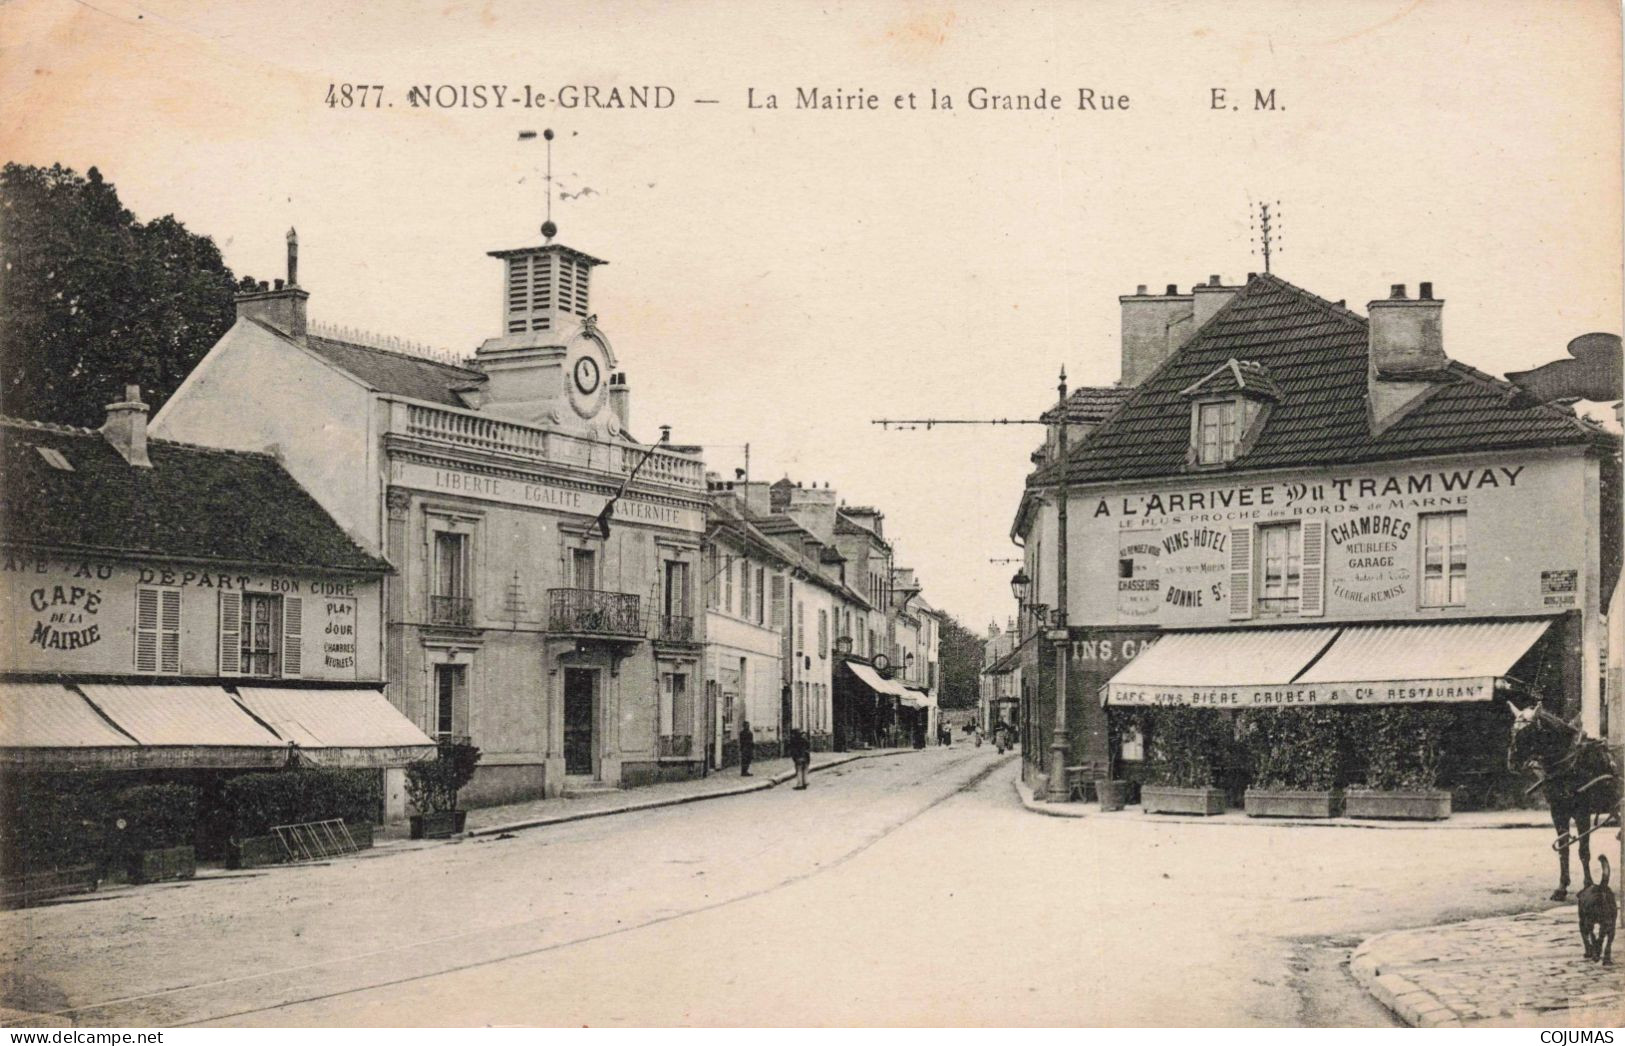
960	653
92	299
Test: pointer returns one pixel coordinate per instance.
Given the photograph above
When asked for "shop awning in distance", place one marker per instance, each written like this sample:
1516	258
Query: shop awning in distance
918	697
1356	664
880	685
352	728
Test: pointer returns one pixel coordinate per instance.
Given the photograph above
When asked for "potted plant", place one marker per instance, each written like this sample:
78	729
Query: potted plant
1405	743
1293	754
432	786
1184	745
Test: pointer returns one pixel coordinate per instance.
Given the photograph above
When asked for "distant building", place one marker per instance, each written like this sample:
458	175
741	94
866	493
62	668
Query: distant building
179	609
1293	504
544	603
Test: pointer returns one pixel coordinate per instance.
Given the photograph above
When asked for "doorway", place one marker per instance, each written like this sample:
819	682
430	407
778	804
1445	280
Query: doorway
580	687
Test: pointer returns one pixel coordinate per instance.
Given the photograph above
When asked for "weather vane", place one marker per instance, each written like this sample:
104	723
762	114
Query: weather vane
549	230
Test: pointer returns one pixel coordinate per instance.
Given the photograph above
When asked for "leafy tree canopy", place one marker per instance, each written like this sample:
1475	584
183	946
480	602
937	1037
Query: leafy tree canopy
92	299
959	651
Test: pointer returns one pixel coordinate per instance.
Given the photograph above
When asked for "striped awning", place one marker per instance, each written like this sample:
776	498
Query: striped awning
1356	664
180	715
339	727
48	715
876	682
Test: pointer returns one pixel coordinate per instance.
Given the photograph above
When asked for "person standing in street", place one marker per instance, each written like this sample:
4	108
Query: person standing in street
747	748
800	756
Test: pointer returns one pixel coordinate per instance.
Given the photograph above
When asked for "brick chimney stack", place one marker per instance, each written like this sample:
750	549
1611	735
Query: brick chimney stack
1407	334
126	428
283	306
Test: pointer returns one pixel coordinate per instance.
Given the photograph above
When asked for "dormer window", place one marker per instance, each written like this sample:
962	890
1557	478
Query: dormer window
1228	410
1216	432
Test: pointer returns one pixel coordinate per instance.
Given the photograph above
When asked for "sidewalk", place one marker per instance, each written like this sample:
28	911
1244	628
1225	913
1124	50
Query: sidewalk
1515	971
1478	819
765	773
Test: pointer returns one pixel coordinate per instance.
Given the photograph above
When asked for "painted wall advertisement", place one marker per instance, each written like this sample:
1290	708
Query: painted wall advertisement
1163	557
80	616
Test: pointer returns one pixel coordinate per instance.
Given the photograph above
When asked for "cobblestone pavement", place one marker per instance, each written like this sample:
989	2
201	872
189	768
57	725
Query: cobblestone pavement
1514	971
765	773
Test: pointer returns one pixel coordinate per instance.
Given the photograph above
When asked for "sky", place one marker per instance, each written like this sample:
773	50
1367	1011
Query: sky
784	277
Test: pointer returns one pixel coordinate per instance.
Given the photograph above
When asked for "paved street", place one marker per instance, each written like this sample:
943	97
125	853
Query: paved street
900	890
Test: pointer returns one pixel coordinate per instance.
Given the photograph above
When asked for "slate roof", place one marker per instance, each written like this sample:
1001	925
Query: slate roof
1316	354
787	536
1091	404
1235	375
195	503
397	373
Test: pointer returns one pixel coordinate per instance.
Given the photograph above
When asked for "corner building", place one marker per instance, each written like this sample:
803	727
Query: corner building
546	561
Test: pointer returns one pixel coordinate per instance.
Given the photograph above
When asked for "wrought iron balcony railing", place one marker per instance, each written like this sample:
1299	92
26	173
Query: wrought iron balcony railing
675	628
451	610
587	611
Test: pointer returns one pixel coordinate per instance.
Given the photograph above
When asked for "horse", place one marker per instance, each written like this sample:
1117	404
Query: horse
1577	775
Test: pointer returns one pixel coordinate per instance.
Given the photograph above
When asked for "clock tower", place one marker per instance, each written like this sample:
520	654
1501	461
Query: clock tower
551	365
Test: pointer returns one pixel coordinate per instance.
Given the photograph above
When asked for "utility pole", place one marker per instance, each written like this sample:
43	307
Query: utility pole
1059	792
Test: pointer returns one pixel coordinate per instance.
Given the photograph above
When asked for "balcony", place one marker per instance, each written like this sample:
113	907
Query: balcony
675	628
590	612
455	611
481	432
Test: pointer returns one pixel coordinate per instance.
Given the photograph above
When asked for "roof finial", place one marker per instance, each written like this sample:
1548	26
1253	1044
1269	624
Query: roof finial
549	230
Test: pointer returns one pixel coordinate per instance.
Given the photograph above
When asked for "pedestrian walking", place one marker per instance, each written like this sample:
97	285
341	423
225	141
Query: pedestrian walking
747	748
800	756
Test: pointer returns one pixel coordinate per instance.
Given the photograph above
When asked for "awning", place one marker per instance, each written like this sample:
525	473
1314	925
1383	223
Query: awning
874	681
918	697
339	727
47	715
1359	664
180	715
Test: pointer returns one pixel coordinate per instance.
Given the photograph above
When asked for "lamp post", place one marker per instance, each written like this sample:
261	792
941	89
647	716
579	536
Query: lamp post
1058	790
1019	585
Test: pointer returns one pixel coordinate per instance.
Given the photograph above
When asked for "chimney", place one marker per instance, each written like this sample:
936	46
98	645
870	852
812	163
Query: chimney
758	497
126	428
1209	297
282	307
1406	334
1154	325
813	508
620	400
1406	346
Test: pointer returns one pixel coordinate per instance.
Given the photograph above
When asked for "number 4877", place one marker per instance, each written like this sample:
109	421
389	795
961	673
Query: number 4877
355	96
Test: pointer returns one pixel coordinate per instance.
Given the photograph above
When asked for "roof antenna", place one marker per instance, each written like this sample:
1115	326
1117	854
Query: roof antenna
1267	240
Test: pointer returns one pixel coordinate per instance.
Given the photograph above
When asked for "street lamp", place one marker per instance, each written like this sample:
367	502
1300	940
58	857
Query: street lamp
1019	584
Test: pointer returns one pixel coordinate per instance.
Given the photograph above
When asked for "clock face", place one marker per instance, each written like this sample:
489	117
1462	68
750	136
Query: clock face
587	375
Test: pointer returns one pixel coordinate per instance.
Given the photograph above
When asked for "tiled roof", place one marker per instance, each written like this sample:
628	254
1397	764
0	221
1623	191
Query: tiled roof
1316	353
1091	404
397	373
787	536
194	503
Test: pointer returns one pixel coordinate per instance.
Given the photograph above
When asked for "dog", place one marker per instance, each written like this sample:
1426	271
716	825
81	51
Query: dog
1598	914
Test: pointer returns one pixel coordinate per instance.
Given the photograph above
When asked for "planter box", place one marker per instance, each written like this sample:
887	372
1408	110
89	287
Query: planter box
1166	799
156	866
1269	802
1112	794
1398	805
440	825
254	851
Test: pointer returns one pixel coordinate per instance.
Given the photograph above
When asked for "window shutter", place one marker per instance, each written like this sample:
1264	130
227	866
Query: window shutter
146	630
667	700
169	631
1312	582
1241	572
231	633
293	630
